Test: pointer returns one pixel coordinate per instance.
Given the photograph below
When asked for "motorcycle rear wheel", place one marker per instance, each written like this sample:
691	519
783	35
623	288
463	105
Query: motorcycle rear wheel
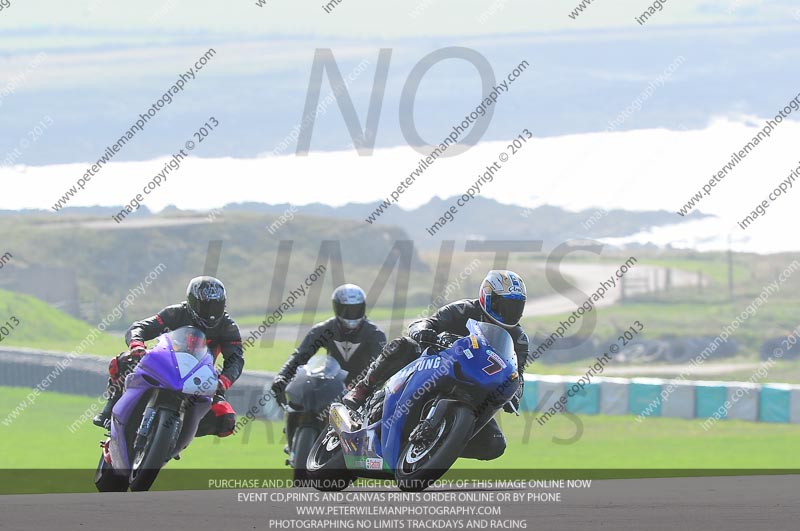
107	481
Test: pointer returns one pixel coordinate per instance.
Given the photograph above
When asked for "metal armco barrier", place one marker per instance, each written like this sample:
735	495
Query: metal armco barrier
87	376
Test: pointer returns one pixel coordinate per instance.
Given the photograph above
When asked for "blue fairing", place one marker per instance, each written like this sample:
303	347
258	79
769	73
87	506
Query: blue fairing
483	366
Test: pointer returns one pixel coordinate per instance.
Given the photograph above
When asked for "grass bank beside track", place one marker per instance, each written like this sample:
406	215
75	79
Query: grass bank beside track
607	447
679	312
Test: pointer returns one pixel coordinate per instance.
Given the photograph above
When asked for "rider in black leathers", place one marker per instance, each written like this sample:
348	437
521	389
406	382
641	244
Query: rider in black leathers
502	300
349	337
204	308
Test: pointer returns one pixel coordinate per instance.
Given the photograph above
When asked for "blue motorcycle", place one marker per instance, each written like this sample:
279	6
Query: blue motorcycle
417	425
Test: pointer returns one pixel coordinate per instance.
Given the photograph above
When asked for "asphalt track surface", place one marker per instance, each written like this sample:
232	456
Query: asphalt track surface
708	504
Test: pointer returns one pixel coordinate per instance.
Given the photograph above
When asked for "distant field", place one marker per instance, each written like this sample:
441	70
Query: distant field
605	443
375	314
681	319
680	312
705	312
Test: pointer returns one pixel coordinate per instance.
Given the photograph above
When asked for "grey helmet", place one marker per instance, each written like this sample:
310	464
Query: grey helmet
349	306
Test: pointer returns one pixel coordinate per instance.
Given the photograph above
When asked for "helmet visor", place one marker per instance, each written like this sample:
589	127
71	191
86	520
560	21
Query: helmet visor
508	309
350	312
209	313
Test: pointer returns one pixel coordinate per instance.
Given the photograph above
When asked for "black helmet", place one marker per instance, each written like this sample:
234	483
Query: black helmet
205	297
349	305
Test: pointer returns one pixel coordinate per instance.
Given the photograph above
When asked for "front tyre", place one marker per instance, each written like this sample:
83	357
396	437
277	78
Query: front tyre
148	461
325	467
302	444
423	462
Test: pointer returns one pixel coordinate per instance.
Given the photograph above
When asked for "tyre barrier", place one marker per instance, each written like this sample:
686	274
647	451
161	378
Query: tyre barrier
88	375
656	397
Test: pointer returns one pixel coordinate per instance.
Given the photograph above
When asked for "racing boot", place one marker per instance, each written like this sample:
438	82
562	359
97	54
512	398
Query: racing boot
118	368
103	419
359	393
393	354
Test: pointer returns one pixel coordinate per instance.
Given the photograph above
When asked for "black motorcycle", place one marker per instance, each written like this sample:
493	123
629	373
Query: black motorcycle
308	397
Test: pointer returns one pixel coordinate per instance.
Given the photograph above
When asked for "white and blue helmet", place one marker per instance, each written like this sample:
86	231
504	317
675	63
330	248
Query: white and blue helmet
349	306
502	297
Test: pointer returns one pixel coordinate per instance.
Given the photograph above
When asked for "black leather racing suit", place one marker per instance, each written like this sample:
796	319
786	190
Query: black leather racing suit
489	443
354	351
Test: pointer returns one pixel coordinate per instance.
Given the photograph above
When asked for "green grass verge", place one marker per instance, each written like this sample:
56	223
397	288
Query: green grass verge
39	439
258	358
776	318
714	269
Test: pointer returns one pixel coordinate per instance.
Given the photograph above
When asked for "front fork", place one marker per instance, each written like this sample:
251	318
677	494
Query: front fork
171	402
144	429
425	430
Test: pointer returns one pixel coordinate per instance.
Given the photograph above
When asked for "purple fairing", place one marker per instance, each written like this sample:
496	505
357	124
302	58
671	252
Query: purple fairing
179	363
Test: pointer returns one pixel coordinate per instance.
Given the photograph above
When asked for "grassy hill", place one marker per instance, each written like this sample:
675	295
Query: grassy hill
42	326
94	262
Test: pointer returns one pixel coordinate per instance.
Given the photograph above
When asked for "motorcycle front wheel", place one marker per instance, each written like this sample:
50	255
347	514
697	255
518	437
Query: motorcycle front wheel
302	443
148	461
421	463
325	467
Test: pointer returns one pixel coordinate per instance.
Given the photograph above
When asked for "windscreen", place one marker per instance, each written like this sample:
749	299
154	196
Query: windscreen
497	337
190	340
323	365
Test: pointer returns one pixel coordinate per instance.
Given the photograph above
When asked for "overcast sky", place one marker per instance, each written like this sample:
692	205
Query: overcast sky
88	68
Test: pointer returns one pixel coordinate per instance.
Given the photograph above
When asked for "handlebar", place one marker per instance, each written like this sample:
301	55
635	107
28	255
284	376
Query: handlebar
443	341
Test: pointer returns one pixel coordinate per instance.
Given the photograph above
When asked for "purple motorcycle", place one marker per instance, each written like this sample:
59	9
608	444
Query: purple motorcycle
157	416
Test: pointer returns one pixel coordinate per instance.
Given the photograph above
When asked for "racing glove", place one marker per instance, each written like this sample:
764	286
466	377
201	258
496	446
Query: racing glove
136	348
278	387
223	384
284	376
425	336
447	339
513	404
124	364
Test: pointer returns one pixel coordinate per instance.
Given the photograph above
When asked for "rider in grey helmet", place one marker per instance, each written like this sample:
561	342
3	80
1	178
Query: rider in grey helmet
349	337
